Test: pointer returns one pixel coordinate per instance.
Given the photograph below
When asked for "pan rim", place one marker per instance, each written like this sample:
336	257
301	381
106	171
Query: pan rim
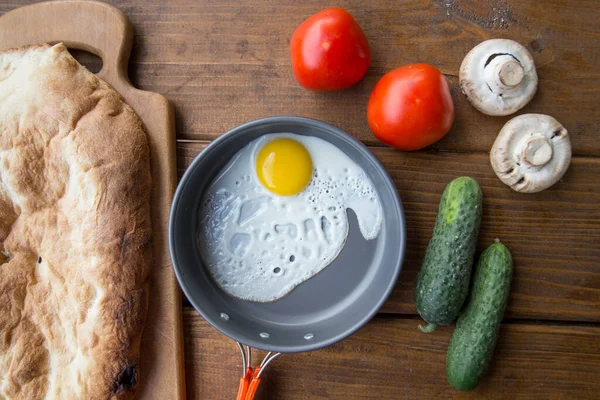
358	146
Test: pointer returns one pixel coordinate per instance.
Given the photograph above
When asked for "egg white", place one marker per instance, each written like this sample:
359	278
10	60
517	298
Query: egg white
259	246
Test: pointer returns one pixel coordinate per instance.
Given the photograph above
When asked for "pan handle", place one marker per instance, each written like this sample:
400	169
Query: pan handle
92	26
252	388
245	382
251	377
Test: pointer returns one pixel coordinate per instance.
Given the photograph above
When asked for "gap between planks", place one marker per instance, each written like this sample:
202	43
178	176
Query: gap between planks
383	146
188	308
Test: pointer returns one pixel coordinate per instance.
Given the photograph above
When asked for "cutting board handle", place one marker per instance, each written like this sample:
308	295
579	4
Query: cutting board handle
92	26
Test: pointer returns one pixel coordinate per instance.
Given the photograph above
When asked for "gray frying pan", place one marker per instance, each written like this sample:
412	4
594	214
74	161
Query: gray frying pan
327	308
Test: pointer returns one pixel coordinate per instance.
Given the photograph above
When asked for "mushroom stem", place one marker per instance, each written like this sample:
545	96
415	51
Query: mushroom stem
537	150
511	73
504	73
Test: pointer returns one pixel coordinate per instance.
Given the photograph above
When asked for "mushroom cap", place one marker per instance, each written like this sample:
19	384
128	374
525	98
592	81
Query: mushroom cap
498	77
531	153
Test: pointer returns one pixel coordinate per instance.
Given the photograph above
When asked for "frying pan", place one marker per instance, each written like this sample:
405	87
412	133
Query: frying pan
327	308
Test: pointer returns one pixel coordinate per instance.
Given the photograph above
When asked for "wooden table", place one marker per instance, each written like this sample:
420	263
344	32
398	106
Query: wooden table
222	63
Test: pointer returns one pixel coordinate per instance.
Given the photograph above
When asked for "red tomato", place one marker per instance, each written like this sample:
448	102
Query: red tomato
411	107
329	51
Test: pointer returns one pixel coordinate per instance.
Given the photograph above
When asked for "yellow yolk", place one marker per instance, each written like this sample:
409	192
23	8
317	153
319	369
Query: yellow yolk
284	166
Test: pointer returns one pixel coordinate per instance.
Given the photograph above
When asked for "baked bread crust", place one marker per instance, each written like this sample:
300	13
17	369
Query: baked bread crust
75	230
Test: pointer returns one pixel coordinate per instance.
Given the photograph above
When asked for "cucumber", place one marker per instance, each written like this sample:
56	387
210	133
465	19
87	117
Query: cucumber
477	328
443	281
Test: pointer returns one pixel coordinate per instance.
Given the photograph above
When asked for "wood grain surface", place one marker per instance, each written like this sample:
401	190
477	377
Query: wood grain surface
221	63
203	55
391	359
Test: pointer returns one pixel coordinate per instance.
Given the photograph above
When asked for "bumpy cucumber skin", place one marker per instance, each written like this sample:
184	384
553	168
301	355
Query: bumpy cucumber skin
443	281
474	339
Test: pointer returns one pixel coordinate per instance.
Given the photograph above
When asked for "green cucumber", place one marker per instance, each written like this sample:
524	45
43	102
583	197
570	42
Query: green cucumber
476	332
443	281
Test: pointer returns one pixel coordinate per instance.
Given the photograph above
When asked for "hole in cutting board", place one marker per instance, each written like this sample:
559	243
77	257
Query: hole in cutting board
88	60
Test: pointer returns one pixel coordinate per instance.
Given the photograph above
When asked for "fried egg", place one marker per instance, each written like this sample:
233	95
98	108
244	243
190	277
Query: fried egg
276	214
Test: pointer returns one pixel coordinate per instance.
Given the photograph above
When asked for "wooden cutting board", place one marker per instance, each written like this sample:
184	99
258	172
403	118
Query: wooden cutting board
105	31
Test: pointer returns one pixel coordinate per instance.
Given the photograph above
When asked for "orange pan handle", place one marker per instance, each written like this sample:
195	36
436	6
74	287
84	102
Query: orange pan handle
253	387
243	389
244	384
250	381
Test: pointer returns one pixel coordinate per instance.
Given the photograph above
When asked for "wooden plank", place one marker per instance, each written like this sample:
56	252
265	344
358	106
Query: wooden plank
390	359
223	63
554	235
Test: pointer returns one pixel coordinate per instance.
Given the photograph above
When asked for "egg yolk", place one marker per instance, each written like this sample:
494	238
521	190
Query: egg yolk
284	166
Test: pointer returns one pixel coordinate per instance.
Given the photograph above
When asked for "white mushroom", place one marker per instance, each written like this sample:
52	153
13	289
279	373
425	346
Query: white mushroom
531	153
498	77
